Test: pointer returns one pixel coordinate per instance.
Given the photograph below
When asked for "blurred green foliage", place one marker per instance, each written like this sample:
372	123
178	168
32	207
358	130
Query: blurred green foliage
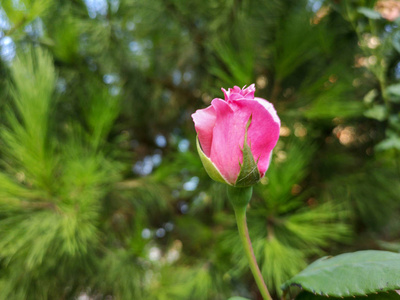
102	193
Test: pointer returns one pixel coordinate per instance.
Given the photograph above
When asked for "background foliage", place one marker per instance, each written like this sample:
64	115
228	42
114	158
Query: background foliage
102	194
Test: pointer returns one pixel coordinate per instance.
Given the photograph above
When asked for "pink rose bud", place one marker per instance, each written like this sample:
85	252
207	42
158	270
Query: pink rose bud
235	136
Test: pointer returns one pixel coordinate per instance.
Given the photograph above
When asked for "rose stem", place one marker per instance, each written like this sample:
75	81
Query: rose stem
240	213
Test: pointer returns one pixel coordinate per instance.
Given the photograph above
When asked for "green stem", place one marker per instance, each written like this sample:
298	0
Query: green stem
240	213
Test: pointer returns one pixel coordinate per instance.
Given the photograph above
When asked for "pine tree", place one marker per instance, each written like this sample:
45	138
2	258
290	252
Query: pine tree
101	189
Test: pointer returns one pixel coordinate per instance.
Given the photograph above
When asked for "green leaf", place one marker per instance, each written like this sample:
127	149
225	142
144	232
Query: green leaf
238	298
378	112
13	14
396	41
351	274
394	122
394	92
392	142
394	89
370	96
211	169
249	174
369	13
380	296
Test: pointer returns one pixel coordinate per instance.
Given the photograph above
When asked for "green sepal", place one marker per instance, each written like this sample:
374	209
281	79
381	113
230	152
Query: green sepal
239	196
249	174
211	169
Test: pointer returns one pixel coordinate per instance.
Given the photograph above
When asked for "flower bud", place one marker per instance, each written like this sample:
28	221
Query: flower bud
235	136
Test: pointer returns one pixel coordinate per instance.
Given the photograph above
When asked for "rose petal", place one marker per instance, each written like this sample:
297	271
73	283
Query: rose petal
236	93
204	121
248	92
268	106
228	139
263	132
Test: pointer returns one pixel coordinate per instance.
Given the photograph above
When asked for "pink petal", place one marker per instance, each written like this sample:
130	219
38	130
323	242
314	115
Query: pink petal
235	89
236	96
248	93
204	121
226	94
228	139
236	93
263	132
268	106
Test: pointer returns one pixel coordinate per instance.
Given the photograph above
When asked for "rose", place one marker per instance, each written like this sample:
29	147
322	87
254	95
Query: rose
235	136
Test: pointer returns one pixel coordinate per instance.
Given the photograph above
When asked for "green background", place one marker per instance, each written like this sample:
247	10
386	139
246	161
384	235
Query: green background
102	193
